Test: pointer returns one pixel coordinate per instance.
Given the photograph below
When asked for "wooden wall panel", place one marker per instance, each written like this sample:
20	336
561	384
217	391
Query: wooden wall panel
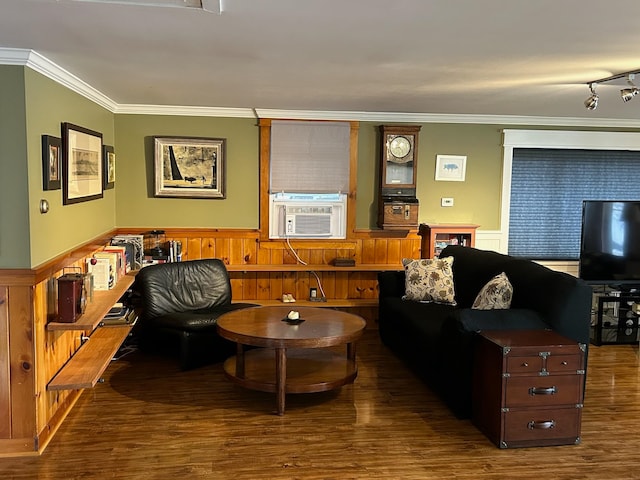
244	247
22	361
5	374
30	355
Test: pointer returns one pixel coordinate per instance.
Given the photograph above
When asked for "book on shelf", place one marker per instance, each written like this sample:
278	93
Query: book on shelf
120	315
99	270
135	248
121	251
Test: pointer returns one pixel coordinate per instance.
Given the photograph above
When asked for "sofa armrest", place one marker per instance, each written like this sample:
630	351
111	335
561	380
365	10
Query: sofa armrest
391	284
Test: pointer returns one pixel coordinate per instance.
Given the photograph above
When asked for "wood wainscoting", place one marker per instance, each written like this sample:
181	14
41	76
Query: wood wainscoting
31	354
261	271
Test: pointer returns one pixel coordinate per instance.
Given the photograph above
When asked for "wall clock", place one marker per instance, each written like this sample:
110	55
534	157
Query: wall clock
398	206
399	149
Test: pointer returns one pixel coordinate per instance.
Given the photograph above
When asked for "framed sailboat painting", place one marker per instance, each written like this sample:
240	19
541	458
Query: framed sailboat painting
189	167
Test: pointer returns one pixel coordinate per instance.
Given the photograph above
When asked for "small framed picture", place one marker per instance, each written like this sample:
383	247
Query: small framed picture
451	168
109	166
51	166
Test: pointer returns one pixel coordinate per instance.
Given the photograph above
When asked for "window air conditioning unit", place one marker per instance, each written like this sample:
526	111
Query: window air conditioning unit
307	215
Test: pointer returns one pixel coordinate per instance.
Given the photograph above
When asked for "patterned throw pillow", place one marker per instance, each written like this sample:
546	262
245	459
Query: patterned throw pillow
496	294
429	280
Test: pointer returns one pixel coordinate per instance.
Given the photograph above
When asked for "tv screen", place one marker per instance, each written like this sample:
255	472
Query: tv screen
610	244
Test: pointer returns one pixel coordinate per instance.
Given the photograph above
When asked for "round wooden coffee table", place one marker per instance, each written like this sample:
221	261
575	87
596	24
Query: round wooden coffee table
292	359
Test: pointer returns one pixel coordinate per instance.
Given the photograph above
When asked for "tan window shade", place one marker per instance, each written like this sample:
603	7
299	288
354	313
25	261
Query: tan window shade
309	156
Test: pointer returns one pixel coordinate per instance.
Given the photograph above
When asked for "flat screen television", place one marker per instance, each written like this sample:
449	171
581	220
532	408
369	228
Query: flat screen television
610	242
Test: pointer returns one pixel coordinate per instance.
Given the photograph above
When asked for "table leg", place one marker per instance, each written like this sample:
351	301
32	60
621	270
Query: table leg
351	351
281	378
240	360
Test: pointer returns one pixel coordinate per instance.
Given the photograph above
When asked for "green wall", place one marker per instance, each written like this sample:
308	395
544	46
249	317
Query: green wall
14	193
64	227
476	200
34	105
136	204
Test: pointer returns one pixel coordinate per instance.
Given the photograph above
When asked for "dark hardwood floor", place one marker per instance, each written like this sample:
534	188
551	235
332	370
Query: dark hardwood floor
151	421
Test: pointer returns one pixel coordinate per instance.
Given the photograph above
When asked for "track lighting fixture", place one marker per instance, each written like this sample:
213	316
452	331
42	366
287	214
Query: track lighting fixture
592	102
626	94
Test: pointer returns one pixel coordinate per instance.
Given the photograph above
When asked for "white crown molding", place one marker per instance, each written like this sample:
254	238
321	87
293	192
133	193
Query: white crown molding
44	66
14	56
134	109
39	63
392	117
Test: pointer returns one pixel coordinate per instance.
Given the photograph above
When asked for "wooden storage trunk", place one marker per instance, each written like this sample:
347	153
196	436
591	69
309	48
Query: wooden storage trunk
528	388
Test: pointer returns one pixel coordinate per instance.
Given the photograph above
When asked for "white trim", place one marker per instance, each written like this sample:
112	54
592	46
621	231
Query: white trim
490	240
39	63
505	207
391	117
14	56
572	139
553	139
46	67
134	109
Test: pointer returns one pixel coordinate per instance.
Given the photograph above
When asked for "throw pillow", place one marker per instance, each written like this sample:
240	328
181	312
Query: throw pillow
496	294
429	280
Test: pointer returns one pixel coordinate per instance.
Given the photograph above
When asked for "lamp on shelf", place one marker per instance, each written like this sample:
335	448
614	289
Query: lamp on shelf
154	245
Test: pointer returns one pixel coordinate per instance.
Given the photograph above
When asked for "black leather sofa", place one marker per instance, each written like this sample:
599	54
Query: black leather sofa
179	306
436	340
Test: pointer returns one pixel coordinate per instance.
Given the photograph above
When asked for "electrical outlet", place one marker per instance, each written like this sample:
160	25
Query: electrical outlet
446	202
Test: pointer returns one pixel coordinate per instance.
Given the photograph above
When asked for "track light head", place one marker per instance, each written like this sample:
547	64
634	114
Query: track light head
591	103
628	93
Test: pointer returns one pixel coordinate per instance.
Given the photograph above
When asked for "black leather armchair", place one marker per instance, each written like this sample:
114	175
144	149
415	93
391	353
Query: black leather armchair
179	307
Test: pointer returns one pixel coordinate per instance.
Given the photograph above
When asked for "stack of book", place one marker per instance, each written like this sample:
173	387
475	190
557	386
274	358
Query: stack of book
120	314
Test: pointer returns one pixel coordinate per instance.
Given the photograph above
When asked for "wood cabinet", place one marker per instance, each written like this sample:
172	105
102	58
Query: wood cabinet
528	387
435	237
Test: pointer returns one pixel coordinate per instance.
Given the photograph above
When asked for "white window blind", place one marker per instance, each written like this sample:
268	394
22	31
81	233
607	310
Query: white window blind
310	157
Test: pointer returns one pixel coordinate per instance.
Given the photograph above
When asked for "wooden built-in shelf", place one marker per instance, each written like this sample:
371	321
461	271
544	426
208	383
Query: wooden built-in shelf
95	311
86	366
331	303
313	268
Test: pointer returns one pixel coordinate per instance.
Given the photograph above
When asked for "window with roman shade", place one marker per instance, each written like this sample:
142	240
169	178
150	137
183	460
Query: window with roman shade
309	157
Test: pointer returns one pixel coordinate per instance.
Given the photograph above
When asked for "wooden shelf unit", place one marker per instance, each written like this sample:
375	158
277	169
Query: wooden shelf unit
85	368
435	237
331	303
312	268
102	302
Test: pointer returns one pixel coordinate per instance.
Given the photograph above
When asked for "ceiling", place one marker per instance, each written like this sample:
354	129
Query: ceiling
444	57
